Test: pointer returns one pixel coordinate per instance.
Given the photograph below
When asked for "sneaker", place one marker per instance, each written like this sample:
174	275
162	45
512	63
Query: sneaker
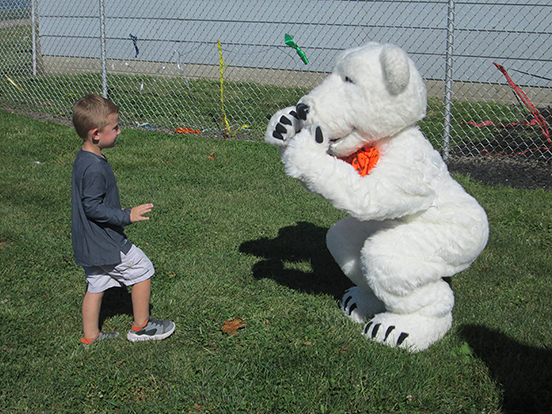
101	337
155	329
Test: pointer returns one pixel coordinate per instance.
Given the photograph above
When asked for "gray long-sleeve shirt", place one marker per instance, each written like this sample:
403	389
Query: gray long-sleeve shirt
97	219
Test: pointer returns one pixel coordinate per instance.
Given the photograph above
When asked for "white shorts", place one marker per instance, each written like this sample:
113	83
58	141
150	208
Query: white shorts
135	267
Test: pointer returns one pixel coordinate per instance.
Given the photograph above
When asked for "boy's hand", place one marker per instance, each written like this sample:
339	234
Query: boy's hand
137	213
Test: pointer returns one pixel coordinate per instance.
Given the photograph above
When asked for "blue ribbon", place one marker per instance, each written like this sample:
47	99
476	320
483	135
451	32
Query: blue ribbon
135	41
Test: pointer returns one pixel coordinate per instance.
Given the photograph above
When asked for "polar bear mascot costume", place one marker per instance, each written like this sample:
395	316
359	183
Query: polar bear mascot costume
354	141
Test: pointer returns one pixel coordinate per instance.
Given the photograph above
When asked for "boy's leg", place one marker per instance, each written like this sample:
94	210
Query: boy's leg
91	306
135	270
91	320
144	327
141	292
98	283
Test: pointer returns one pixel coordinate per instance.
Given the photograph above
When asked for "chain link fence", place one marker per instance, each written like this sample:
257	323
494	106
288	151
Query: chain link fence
222	68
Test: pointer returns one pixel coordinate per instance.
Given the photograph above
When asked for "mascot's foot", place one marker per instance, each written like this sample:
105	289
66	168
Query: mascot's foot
359	305
413	332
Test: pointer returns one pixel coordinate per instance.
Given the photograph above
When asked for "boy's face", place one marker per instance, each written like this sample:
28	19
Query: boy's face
106	138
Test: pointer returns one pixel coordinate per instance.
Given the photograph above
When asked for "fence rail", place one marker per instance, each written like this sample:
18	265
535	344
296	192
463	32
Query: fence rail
223	67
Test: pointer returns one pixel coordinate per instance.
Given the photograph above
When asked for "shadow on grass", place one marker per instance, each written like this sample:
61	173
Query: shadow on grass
524	372
303	242
115	301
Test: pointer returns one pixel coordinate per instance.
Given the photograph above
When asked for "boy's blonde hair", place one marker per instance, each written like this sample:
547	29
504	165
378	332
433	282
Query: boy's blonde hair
92	112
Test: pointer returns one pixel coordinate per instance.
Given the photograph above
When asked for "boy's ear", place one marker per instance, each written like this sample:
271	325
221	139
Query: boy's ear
94	134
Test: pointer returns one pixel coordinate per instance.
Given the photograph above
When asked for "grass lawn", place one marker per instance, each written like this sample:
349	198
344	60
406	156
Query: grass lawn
231	236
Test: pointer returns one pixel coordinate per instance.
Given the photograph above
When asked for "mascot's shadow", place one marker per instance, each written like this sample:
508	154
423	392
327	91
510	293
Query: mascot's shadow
523	372
295	244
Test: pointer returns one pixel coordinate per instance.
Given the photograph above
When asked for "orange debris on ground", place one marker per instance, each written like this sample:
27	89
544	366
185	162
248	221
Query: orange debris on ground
182	130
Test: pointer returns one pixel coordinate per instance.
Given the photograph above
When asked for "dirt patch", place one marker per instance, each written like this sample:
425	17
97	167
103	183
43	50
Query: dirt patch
39	116
519	155
526	138
511	171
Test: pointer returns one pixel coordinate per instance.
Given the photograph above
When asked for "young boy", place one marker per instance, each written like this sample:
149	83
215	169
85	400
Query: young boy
99	242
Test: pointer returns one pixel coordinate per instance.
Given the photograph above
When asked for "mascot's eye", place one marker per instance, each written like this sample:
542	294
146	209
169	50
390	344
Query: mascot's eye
348	79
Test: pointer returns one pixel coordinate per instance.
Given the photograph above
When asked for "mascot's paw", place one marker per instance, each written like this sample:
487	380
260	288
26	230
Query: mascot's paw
359	304
412	332
306	156
283	125
310	141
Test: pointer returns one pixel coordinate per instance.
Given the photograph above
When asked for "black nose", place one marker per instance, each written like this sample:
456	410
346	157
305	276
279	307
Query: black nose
302	111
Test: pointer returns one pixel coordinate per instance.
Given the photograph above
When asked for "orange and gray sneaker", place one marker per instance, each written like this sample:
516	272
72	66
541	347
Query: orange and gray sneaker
154	329
101	337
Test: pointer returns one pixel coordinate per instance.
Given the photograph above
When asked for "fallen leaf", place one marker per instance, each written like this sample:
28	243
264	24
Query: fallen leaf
212	156
198	407
231	327
171	274
342	351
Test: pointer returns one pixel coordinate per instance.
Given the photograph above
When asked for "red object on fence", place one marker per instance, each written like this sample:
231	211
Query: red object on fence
527	102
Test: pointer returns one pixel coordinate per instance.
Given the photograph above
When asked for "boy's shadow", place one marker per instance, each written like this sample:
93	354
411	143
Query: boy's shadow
295	244
524	372
116	301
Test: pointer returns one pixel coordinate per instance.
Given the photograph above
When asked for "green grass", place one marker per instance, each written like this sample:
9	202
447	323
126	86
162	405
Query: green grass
232	236
15	51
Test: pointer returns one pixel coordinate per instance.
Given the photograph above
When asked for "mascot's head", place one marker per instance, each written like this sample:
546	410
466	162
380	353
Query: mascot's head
374	92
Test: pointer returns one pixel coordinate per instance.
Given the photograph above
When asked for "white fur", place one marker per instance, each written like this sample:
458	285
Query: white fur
410	223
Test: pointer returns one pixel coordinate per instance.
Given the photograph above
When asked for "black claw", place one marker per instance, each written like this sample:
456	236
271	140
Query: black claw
366	327
281	129
302	111
285	121
352	308
277	135
319	136
293	113
375	330
347	302
402	337
389	330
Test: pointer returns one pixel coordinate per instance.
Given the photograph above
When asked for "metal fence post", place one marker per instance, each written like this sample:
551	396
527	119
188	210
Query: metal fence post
103	50
33	33
448	79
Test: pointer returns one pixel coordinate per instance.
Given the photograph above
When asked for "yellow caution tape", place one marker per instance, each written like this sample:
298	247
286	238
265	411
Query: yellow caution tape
13	83
222	65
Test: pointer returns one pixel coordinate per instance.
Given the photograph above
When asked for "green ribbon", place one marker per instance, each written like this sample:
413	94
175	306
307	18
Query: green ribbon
289	42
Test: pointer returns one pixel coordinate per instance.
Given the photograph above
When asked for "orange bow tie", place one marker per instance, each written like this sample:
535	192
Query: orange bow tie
363	160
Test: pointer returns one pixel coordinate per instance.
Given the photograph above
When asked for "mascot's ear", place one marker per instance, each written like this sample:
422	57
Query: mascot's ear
396	69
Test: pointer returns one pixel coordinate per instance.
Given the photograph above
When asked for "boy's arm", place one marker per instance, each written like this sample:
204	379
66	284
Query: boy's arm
93	197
